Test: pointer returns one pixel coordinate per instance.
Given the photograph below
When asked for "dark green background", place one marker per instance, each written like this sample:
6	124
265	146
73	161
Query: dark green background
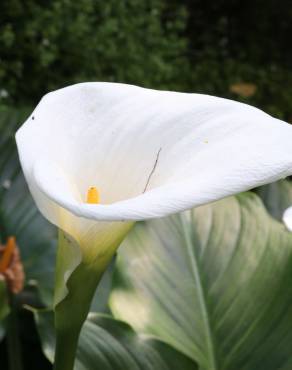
190	45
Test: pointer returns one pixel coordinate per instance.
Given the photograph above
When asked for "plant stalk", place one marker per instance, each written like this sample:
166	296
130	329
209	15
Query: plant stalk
13	339
66	347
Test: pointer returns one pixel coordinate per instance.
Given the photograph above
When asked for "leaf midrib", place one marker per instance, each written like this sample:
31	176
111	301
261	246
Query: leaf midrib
202	297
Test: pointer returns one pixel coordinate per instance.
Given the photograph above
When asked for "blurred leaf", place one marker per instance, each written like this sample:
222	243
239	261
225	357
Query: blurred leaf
109	344
2	331
214	282
4	306
277	197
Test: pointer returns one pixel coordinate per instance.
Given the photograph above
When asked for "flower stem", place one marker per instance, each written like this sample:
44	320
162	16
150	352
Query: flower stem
13	340
66	347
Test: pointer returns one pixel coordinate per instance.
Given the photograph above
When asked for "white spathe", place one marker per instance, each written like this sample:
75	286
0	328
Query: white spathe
287	218
150	153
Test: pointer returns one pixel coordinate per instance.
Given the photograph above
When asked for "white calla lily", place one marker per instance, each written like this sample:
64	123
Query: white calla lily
149	153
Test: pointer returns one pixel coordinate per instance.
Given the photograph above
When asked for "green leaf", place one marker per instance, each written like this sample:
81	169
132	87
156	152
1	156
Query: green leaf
214	282
9	165
4	305
277	197
110	344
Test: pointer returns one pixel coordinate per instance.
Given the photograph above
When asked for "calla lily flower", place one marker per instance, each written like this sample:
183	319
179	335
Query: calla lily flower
98	156
150	153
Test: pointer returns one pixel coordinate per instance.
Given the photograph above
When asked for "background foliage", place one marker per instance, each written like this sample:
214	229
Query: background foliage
190	45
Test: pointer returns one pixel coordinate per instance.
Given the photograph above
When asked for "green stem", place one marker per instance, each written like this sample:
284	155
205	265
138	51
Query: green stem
70	315
78	272
13	340
66	347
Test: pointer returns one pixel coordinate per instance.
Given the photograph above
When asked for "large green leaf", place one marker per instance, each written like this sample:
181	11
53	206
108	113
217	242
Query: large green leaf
108	344
214	282
277	197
